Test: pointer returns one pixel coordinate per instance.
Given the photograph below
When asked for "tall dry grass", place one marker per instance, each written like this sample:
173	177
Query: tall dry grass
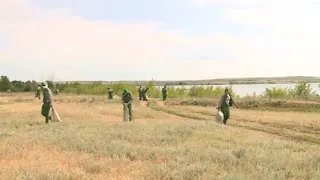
164	142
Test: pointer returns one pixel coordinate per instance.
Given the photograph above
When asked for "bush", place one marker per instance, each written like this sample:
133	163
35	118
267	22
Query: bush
153	92
209	91
277	93
301	90
177	92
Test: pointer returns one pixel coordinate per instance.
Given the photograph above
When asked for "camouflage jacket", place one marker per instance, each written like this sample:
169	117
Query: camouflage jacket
47	96
127	98
224	100
164	91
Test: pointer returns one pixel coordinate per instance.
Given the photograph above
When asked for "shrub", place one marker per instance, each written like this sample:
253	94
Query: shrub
301	90
277	93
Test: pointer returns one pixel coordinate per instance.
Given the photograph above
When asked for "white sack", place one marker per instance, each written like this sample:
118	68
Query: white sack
219	117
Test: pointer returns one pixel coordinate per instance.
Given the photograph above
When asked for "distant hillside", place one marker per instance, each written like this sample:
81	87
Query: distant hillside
255	80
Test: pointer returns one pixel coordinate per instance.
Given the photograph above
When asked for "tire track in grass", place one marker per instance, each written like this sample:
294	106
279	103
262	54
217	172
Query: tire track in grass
162	108
288	133
302	128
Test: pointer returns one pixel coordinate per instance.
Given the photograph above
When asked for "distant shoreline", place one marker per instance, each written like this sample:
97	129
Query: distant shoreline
226	81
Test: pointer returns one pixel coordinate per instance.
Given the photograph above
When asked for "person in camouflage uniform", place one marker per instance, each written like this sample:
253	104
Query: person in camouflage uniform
110	93
47	101
224	104
140	90
144	94
38	92
127	99
164	93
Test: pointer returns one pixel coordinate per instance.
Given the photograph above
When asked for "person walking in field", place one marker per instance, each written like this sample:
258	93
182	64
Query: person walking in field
127	99
164	93
47	101
38	92
140	90
225	102
110	93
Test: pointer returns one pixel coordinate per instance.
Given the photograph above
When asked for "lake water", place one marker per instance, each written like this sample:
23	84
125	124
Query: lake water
250	89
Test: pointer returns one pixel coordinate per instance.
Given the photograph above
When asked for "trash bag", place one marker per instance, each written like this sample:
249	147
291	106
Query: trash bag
54	115
219	117
125	113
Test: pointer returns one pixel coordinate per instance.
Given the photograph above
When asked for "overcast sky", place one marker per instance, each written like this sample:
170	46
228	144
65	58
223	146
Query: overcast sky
160	39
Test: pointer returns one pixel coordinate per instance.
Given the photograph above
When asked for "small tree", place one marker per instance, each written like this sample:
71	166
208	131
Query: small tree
303	90
153	90
50	80
27	87
34	85
5	84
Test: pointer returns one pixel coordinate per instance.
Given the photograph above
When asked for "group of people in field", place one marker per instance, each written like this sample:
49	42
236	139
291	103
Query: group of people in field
142	93
127	97
225	102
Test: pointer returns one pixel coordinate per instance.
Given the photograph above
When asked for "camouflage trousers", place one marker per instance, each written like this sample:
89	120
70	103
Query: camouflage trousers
45	110
130	111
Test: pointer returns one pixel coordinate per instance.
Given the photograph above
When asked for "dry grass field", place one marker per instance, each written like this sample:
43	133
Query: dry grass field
164	142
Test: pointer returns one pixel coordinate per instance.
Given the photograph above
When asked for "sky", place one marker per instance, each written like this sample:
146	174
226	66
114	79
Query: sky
158	39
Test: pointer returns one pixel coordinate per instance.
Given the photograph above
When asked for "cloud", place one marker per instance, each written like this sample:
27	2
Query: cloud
290	30
41	40
55	41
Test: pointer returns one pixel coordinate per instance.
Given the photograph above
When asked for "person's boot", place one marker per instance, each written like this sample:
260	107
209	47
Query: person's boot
224	122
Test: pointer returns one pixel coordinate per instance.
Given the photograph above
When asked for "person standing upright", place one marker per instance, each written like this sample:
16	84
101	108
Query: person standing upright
38	92
110	93
140	90
47	101
164	93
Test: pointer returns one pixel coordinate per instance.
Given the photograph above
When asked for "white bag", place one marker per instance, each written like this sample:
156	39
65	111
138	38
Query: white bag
219	117
55	116
125	113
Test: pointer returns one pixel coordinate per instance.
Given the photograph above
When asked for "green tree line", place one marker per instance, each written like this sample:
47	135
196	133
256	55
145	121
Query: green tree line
301	90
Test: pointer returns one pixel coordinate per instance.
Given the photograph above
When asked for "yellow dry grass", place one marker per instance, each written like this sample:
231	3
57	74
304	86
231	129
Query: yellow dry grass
164	142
